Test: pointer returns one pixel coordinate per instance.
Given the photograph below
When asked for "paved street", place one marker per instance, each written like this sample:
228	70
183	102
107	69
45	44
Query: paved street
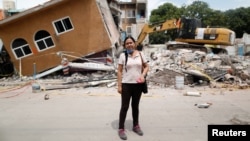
91	114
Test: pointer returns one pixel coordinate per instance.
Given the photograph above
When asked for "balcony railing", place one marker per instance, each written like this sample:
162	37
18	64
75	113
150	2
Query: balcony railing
140	20
141	1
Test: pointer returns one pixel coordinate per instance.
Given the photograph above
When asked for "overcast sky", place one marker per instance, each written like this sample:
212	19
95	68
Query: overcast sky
25	4
153	4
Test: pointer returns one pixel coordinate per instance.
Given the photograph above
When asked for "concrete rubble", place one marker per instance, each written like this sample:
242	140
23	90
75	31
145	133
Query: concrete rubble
197	68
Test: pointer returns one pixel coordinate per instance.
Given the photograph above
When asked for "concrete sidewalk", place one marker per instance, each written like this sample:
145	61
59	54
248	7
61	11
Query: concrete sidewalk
91	114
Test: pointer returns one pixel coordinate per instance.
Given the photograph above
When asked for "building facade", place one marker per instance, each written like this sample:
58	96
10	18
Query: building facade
133	17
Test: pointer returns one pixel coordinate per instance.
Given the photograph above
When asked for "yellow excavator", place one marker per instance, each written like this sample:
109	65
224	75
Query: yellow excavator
190	35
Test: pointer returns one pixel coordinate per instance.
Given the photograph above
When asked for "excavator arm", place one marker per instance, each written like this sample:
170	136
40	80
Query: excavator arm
167	25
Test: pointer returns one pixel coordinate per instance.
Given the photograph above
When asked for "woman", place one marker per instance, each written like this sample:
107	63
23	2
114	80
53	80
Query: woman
130	78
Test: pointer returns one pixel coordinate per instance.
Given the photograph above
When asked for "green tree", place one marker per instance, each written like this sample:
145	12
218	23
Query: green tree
198	9
214	18
164	12
238	20
208	16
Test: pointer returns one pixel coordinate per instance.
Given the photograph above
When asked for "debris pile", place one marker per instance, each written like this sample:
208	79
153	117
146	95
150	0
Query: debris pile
198	69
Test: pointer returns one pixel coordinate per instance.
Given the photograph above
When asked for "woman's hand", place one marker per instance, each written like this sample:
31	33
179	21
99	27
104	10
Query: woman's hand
119	89
142	78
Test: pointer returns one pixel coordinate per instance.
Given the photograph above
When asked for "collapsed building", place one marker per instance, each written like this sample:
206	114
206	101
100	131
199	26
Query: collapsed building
77	30
37	39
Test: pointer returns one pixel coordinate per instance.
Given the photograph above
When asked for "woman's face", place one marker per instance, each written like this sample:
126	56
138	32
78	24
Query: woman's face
130	44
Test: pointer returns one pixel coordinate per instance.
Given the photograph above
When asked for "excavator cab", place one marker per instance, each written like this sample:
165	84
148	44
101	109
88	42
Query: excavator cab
188	28
204	39
191	32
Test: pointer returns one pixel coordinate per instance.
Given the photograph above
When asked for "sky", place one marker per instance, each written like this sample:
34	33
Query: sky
25	4
154	4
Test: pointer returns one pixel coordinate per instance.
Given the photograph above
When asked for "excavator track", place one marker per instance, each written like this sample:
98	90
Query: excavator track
195	47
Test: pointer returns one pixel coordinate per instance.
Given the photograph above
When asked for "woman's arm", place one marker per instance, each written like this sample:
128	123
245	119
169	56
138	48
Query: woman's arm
145	69
119	78
145	65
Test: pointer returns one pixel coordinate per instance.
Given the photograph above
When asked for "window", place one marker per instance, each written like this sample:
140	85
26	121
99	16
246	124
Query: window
43	40
129	30
21	48
63	25
123	14
131	14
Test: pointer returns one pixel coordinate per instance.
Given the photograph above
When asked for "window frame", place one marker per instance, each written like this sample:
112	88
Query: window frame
130	13
22	49
62	21
44	41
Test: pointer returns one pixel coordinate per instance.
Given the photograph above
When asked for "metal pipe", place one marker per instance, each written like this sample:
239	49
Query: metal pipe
34	67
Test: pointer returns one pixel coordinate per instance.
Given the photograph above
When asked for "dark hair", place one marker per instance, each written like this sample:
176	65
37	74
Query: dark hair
128	37
125	52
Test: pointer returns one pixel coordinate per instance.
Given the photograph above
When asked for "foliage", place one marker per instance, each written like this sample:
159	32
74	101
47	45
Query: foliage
166	11
198	9
214	18
238	20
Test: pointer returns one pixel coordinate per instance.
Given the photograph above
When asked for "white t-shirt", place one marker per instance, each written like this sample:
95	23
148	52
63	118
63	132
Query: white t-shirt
134	67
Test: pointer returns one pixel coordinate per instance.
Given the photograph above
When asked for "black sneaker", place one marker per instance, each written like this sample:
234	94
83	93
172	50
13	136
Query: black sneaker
138	130
122	134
